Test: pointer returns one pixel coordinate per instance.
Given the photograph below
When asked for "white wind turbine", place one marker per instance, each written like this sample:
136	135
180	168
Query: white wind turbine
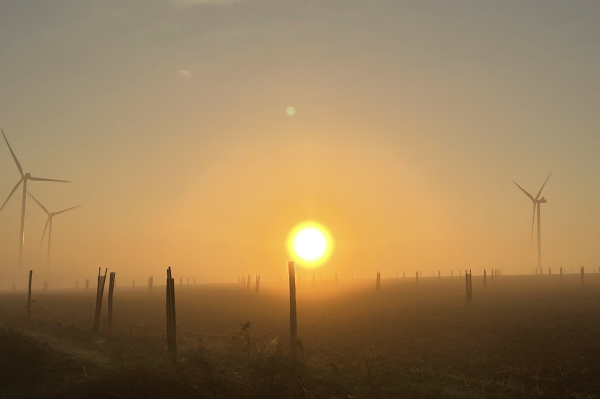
49	224
24	178
537	202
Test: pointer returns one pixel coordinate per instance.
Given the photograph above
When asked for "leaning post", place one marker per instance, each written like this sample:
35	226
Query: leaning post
99	295
111	288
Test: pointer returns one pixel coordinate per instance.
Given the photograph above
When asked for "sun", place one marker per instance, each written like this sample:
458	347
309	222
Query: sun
310	244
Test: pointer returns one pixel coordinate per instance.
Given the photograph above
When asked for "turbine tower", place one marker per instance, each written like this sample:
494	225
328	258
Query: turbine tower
537	202
24	178
49	224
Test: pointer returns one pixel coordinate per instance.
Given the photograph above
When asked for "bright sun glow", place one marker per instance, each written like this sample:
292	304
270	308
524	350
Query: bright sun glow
310	244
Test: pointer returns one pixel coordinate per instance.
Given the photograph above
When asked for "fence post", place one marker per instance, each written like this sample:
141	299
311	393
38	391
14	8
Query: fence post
484	279
293	319
111	288
29	295
469	287
171	319
248	282
257	284
417	277
99	295
582	272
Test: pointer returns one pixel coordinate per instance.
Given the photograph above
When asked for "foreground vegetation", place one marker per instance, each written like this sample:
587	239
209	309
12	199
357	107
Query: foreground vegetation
522	339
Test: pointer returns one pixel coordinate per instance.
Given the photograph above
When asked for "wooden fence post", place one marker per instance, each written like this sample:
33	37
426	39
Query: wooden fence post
111	288
171	319
468	275
29	295
293	318
99	295
257	284
417	276
582	272
484	279
561	272
87	284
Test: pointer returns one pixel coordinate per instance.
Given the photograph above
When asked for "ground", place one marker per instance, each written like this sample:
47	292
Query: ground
523	337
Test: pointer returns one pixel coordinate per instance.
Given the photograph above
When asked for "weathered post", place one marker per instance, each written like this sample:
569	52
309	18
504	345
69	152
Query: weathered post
561	272
257	285
582	272
171	319
99	295
111	288
469	287
417	276
484	279
87	284
29	295
293	319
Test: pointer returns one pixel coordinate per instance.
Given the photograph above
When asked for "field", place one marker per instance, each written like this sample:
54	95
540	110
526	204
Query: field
523	337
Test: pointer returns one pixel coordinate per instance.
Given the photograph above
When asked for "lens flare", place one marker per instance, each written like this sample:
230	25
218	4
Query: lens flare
310	244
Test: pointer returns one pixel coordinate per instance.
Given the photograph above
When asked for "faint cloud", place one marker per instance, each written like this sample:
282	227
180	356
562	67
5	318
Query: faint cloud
189	3
185	74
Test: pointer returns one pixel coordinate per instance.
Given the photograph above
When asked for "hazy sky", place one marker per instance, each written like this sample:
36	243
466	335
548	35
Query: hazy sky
412	120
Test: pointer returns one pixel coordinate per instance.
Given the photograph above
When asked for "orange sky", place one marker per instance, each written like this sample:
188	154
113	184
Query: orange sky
412	120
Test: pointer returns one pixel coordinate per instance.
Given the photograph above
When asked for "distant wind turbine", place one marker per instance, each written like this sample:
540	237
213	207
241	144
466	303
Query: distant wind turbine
49	224
537	202
24	178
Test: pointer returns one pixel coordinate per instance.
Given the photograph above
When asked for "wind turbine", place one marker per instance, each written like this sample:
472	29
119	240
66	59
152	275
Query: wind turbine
24	178
537	202
49	223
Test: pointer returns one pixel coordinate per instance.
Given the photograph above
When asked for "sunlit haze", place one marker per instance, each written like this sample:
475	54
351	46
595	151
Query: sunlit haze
198	134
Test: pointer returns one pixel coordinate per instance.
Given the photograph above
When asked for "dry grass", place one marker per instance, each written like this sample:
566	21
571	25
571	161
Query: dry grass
524	337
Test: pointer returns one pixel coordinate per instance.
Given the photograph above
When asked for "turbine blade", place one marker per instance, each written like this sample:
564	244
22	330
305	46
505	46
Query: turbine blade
58	213
43	235
11	193
538	196
532	224
13	154
38	202
44	179
526	193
